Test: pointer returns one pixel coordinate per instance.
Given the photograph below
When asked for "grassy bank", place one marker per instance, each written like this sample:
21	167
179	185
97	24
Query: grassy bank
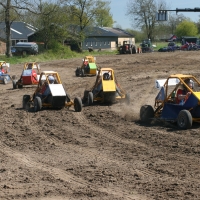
56	54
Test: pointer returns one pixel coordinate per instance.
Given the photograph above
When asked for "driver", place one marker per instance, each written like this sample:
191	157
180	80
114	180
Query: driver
106	76
183	94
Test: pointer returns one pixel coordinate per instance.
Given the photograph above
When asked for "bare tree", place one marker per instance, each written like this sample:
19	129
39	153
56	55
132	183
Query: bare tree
143	14
11	9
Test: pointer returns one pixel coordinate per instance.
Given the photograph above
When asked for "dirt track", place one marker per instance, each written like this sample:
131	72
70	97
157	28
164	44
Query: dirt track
104	152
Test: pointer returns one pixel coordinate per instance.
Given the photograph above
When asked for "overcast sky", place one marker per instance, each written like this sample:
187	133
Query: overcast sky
119	7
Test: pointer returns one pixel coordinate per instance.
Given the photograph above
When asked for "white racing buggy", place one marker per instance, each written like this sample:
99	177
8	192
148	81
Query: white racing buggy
50	93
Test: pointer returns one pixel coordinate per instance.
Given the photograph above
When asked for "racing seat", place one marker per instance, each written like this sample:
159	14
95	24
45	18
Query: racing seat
160	97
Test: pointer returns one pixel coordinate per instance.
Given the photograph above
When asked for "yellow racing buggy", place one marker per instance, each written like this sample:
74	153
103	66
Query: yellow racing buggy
106	89
50	93
178	101
88	67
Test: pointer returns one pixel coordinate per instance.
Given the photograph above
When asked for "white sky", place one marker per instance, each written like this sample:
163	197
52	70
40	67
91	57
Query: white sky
119	7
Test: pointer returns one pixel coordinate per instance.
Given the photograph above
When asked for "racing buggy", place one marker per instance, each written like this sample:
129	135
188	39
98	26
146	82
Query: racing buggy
88	67
50	93
4	70
169	107
106	89
30	75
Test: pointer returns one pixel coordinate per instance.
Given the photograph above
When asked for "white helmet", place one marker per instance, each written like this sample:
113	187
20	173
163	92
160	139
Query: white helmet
51	79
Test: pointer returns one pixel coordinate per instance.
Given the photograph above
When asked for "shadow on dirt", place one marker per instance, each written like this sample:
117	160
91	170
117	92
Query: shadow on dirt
170	126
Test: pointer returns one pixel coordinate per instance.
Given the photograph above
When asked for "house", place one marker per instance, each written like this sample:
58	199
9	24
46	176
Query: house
99	38
20	32
105	38
96	37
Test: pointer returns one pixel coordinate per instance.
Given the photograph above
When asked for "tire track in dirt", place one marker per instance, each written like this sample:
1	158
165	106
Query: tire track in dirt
96	129
63	175
147	173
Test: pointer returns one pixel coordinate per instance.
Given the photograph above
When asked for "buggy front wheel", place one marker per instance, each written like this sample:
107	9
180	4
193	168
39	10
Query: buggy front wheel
37	104
184	120
25	101
77	104
5	81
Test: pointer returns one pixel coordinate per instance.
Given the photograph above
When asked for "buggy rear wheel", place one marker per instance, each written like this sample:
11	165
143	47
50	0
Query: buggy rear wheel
37	104
25	101
146	113
77	104
184	119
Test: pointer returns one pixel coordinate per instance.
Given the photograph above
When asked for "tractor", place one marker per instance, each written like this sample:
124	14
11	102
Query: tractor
127	48
146	46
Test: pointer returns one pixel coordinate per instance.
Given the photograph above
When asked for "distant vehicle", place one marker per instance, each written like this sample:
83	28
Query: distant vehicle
30	75
146	46
174	45
88	67
189	39
166	49
4	72
172	39
23	48
127	48
190	47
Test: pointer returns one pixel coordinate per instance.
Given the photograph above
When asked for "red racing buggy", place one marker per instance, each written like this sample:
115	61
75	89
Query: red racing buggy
30	75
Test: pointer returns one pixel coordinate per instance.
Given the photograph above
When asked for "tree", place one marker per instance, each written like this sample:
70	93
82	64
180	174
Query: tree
143	13
83	13
51	23
104	18
186	28
14	9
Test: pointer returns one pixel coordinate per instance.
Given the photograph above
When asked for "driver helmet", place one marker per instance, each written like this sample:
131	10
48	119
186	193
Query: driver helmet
189	83
106	76
51	79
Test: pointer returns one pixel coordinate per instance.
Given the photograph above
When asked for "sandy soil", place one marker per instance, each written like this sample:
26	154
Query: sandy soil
103	152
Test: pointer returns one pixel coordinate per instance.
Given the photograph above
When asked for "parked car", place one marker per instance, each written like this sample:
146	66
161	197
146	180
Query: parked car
174	45
189	47
25	48
166	49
